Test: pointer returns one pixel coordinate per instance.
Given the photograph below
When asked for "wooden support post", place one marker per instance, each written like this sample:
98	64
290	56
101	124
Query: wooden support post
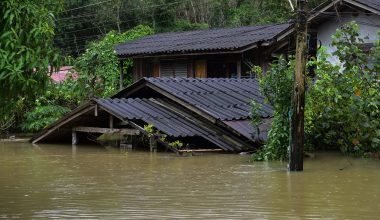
238	69
74	138
297	129
153	144
111	121
96	110
74	150
121	74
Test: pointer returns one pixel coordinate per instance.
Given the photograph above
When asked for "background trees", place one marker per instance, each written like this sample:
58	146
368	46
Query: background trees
26	52
86	20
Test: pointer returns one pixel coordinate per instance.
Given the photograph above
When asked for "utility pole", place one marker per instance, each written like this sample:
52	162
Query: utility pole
298	117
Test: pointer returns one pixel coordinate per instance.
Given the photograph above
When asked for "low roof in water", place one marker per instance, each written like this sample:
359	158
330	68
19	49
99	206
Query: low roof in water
214	109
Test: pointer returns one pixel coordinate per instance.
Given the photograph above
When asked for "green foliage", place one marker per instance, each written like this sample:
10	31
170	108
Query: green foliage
184	25
42	116
11	114
57	101
26	47
149	128
98	67
152	131
344	103
276	86
77	27
176	144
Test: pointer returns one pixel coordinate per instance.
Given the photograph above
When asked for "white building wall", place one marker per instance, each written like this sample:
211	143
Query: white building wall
369	25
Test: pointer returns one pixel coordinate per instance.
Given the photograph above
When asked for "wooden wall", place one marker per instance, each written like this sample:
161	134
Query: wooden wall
202	66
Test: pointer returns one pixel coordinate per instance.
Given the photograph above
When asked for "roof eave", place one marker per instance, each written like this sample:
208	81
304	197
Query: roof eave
189	53
365	7
207	52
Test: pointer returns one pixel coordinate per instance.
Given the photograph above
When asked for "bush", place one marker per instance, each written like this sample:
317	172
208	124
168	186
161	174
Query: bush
42	116
98	67
342	105
276	86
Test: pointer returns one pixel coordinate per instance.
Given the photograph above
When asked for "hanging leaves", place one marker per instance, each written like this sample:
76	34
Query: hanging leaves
26	46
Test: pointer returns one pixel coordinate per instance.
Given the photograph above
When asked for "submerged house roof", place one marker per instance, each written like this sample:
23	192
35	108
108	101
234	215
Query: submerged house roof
202	41
216	110
221	98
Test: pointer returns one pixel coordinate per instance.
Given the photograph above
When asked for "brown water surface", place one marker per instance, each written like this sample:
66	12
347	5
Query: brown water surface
55	181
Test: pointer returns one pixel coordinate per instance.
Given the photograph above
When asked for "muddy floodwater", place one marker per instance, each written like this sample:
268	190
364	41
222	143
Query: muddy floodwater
91	182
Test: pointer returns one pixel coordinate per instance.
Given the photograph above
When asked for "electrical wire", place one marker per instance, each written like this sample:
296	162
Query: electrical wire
110	24
85	6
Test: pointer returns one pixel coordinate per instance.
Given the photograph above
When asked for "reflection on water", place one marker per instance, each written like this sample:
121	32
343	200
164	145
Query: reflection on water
55	181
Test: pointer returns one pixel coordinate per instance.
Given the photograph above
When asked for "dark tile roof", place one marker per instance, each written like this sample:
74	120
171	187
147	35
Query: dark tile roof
375	4
153	112
222	98
169	103
164	118
225	39
245	128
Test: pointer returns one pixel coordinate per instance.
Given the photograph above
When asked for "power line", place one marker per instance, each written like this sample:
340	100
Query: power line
134	9
85	6
134	19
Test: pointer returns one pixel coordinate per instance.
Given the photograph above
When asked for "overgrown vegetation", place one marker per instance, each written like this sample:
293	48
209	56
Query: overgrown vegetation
26	52
26	47
343	104
98	67
276	86
154	132
97	75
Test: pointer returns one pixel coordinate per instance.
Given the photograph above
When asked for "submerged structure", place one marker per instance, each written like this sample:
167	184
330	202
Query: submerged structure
208	113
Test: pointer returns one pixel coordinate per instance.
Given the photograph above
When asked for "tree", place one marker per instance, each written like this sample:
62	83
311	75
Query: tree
98	67
26	47
26	52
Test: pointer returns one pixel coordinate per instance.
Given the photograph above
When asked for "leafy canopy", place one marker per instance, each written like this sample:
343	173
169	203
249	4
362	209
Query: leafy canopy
342	105
26	46
98	67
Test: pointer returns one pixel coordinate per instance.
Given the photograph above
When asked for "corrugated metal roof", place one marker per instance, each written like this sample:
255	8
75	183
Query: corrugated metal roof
245	128
222	98
155	112
375	4
225	39
151	111
226	100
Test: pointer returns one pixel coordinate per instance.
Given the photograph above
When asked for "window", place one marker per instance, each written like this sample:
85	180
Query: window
173	68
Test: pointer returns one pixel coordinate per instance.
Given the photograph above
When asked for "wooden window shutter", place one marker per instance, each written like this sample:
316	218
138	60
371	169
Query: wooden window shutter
156	70
173	68
201	68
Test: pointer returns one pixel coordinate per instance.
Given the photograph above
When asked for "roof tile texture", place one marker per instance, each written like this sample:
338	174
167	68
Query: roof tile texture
222	98
226	39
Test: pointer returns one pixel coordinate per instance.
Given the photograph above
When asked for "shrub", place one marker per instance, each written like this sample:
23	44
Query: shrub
42	116
276	86
342	105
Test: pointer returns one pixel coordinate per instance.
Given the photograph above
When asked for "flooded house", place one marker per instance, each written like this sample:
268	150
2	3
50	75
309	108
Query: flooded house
210	113
196	87
211	53
231	52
